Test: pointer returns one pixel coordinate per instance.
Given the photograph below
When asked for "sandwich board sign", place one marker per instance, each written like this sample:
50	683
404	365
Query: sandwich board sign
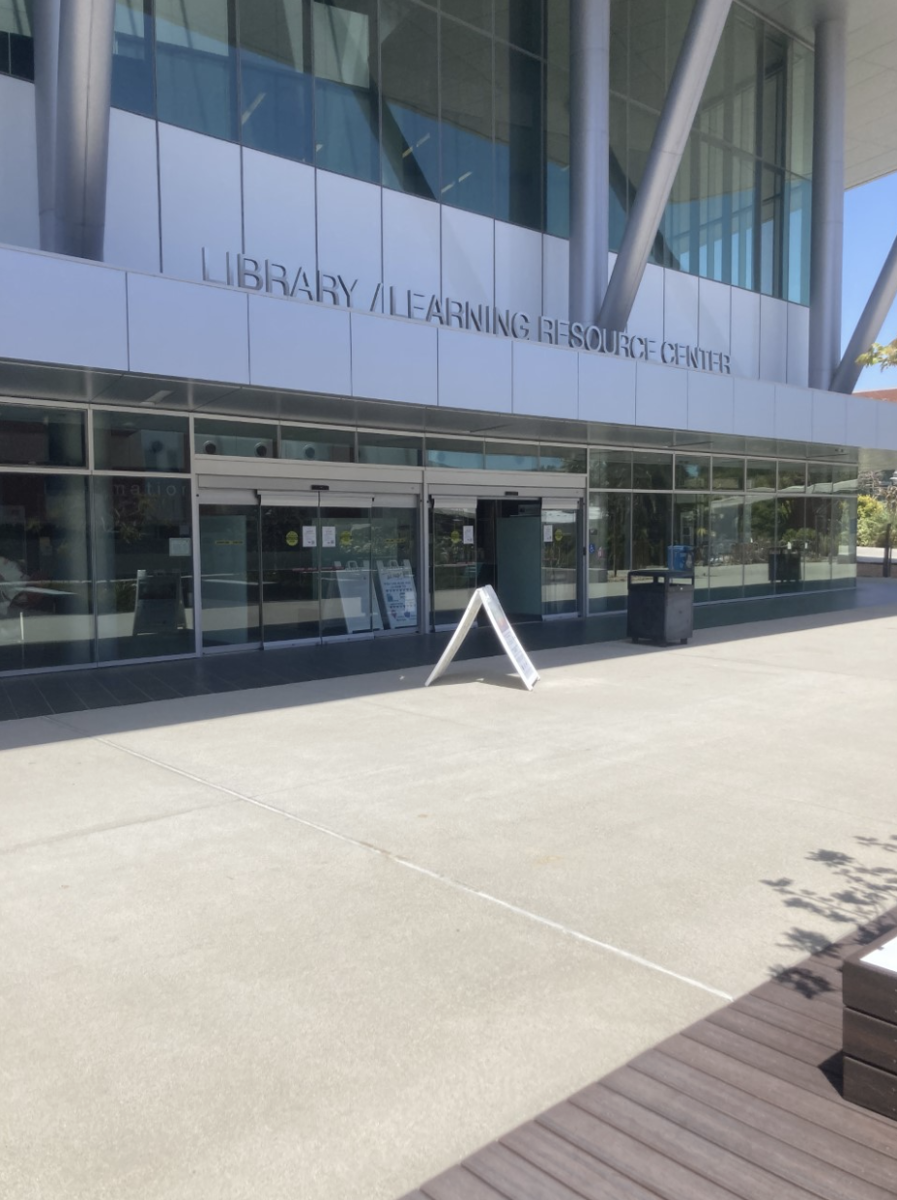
485	597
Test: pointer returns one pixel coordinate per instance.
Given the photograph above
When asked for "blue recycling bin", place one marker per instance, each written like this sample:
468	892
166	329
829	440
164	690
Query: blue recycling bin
680	558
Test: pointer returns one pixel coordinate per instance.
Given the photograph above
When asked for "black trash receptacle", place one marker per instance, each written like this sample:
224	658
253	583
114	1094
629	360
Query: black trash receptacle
661	605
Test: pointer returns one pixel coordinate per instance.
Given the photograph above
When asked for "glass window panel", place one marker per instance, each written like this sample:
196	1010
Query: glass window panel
693	472
743	34
619	44
140	442
347	132
561	554
819	477
387	449
291	574
728	475
45	593
844	542
798	203
518	137
195	66
395	556
844	479
569	460
466	80
691	534
557	151
132	57
743	221
610	468
775	61
410	99
642	126
800	122
818	536
474	12
513	456
16	39
647	53
787	562
275	78
241	438
229	557
455	569
792	476
143	540
40	437
761	475
758	546
651	471
727	548
772	233
609	550
651	515
445	453
318	445
617	170
520	22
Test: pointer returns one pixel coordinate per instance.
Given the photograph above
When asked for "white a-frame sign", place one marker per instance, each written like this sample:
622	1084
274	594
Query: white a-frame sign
485	597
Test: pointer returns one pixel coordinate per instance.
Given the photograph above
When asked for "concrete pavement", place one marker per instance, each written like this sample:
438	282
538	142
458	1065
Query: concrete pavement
323	940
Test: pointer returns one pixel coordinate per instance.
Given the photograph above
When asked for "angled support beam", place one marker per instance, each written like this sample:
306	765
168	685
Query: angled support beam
827	236
46	74
589	156
82	126
702	39
870	324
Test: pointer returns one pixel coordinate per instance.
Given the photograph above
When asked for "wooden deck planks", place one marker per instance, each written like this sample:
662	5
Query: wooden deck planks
744	1105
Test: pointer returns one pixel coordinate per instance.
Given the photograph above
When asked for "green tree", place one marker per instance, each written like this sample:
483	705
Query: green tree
873	519
879	355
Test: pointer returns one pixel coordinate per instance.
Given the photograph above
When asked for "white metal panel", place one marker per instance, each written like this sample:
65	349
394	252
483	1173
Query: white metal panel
546	380
661	396
475	371
19	219
745	334
794	413
61	310
829	417
886	438
773	339
349	234
680	309
798	345
189	330
132	193
411	256
200	189
279	211
468	256
646	318
714	315
518	269
607	387
755	408
555	277
393	359
300	346
862	422
711	402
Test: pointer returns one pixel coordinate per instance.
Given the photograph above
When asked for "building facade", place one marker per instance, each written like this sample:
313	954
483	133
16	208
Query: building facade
317	314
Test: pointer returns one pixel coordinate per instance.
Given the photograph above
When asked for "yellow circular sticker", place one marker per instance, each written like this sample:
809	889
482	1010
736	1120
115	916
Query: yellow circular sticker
455	536
345	538
292	538
559	535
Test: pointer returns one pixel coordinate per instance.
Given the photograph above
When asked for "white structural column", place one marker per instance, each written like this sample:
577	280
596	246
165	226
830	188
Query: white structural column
827	242
702	38
46	75
869	325
589	156
82	126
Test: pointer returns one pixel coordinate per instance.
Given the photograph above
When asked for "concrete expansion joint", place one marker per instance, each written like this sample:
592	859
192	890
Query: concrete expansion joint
437	877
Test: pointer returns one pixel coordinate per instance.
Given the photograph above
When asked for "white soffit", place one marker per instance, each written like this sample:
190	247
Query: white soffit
871	149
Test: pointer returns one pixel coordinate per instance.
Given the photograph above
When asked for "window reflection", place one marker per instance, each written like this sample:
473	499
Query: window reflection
466	112
132	57
195	66
275	78
609	550
346	118
410	103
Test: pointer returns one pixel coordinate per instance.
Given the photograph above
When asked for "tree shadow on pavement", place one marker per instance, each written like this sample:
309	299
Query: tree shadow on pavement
862	895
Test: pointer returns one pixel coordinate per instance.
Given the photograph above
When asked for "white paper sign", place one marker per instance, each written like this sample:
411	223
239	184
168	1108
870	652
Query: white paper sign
468	535
546	533
180	547
309	536
485	597
399	594
328	536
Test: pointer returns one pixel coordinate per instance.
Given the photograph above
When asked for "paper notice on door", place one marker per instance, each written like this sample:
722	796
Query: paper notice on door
468	535
328	536
309	536
546	533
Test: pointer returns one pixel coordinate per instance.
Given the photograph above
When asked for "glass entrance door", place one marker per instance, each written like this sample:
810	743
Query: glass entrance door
561	556
453	558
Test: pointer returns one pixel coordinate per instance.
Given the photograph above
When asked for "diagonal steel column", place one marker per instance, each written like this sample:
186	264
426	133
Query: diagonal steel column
589	156
82	126
46	75
827	234
869	326
705	28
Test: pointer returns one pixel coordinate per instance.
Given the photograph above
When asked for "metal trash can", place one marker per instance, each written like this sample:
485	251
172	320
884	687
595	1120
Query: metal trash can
680	558
661	605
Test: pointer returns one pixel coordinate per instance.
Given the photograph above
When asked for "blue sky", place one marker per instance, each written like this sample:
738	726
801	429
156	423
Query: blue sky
870	226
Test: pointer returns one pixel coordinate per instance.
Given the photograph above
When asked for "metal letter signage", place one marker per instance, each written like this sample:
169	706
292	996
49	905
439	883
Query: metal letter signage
485	597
